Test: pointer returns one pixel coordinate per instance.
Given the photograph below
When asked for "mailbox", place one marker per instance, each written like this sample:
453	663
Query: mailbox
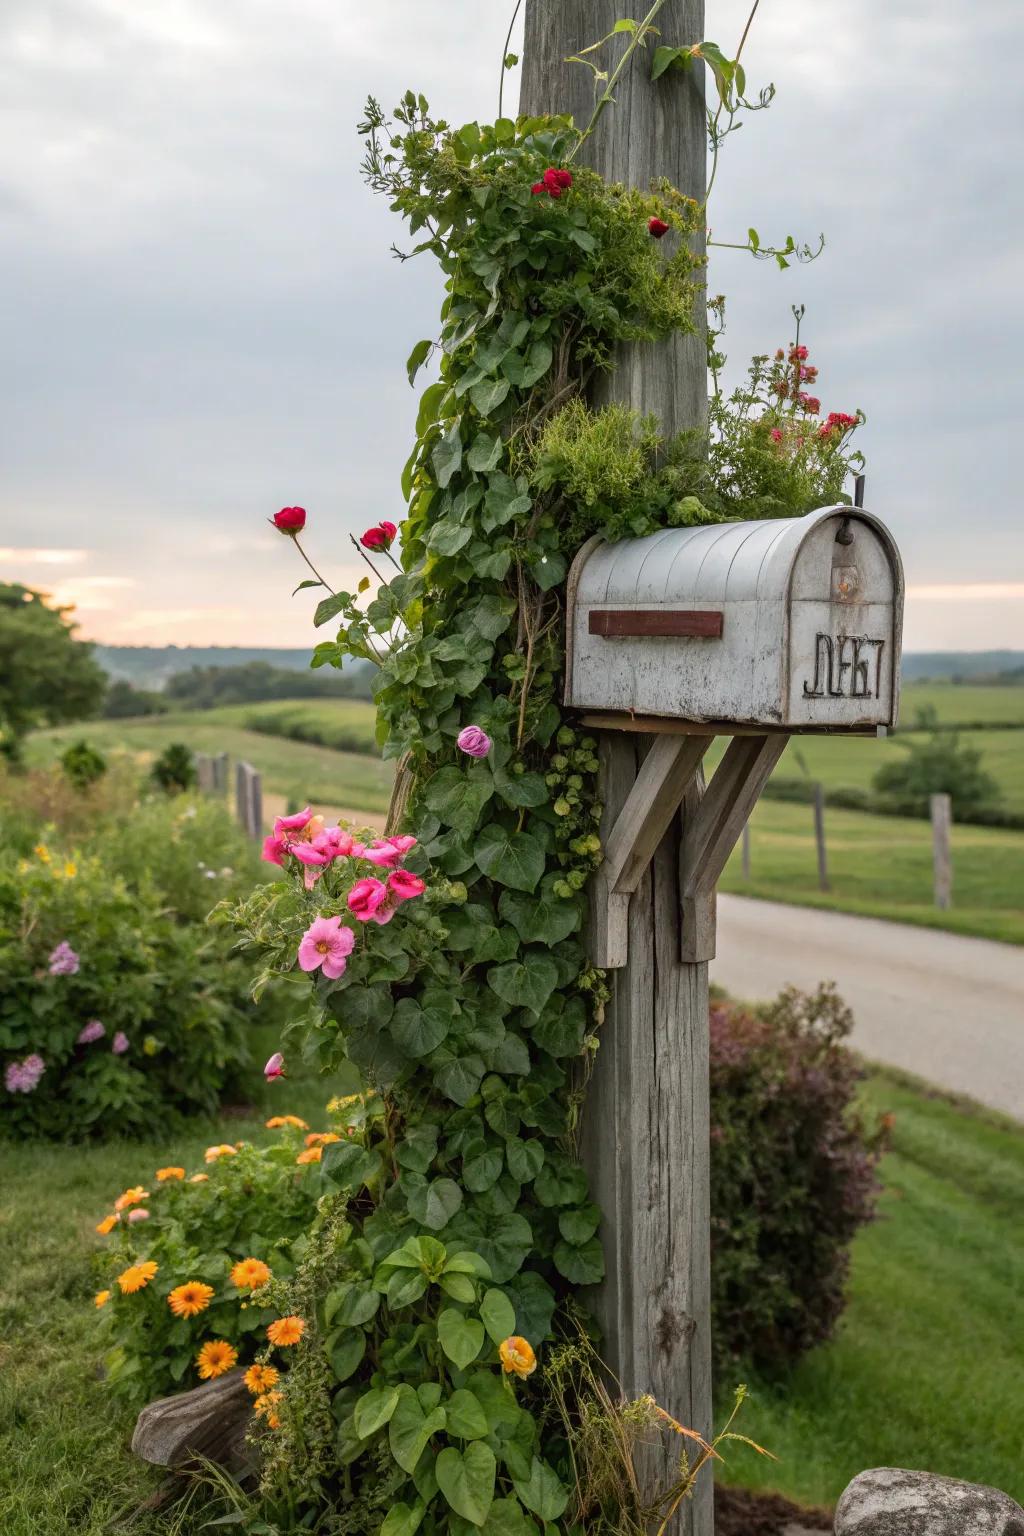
792	624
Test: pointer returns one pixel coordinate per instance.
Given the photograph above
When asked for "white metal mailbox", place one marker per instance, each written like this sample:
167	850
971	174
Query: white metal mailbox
793	624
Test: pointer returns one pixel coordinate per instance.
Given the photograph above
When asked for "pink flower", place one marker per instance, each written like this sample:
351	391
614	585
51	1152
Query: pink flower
367	900
388	852
776	434
380	537
403	885
94	1030
138	1213
274	848
119	1044
473	741
337	843
295	823
274	1067
328	943
798	354
290	520
23	1076
810	403
63	961
658	228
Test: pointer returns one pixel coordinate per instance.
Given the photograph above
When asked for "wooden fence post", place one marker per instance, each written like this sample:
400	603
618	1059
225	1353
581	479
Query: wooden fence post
942	863
819	835
645	1126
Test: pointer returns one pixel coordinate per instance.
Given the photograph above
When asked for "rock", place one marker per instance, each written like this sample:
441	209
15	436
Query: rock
210	1421
890	1502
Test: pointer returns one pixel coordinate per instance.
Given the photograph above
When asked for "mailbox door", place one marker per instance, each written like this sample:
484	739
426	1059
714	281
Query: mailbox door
843	628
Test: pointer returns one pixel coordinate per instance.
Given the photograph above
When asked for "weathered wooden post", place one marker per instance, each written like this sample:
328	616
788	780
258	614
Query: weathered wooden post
942	863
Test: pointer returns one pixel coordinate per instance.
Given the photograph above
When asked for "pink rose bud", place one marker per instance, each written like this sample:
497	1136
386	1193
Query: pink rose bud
388	852
368	901
290	520
274	1067
403	885
380	537
473	741
119	1044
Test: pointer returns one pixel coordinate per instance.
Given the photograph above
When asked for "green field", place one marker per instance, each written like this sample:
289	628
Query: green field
921	1372
881	866
963	704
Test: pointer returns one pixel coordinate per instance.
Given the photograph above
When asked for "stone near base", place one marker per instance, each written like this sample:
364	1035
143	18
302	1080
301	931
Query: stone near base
210	1421
890	1502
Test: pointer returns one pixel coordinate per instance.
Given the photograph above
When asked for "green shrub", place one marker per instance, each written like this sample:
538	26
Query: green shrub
939	763
245	1204
175	768
83	766
792	1175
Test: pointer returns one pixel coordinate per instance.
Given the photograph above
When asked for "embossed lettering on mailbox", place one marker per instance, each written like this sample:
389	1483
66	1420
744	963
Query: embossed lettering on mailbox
845	667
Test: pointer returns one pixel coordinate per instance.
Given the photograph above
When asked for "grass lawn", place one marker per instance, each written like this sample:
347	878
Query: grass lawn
65	1463
963	703
298	771
881	866
924	1371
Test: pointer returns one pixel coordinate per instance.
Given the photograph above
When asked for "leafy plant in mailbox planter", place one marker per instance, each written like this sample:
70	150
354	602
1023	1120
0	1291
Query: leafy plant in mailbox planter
448	962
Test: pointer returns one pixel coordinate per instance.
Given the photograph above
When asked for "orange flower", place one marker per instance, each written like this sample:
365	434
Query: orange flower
321	1138
260	1378
215	1357
136	1276
213	1153
517	1356
190	1299
250	1274
131	1197
200	1178
101	1298
163	1174
286	1330
311	1155
277	1121
107	1225
265	1407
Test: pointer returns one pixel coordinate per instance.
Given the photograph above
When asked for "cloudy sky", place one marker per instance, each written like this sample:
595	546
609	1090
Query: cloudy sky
202	321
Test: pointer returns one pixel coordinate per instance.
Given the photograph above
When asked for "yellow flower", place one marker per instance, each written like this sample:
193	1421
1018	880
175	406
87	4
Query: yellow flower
517	1356
311	1155
163	1174
23	866
334	1106
277	1121
260	1378
101	1298
134	1196
215	1357
286	1330
224	1150
250	1274
70	869
107	1225
200	1178
265	1407
150	1045
42	853
136	1276
190	1299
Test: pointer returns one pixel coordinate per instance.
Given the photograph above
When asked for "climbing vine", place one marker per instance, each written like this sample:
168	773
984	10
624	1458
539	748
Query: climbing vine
431	1388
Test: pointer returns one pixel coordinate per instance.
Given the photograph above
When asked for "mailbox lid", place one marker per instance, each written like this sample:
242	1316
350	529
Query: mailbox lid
770	584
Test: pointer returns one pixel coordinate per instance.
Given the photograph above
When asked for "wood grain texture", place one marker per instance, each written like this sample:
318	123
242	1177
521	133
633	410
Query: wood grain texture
209	1421
684	623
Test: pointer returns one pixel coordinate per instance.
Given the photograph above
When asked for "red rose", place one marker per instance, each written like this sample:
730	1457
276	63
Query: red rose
554	182
380	537
290	520
810	403
538	189
658	228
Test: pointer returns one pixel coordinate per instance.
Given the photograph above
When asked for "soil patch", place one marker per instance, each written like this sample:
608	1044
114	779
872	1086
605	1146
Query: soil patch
739	1512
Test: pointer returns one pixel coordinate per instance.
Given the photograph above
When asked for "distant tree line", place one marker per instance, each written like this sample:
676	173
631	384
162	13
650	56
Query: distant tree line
253	682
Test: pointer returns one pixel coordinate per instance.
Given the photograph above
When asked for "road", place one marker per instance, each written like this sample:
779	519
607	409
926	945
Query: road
947	1008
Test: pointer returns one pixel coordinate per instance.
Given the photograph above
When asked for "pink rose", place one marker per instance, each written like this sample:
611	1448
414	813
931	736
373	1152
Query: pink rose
473	741
336	843
367	900
388	852
403	885
274	848
274	1067
119	1044
290	520
94	1030
380	537
328	943
138	1213
295	823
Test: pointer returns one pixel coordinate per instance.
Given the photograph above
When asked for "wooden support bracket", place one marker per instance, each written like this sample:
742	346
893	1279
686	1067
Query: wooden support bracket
670	778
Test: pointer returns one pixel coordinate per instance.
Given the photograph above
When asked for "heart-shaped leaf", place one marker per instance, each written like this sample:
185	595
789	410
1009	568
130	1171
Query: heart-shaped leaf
460	1337
466	1478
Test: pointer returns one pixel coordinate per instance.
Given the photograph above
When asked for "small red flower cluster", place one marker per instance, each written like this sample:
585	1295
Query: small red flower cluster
290	520
798	354
658	228
810	403
553	182
837	421
380	537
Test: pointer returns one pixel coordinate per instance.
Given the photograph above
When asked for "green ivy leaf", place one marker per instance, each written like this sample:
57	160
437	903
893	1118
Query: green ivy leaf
521	789
329	606
534	1301
485	453
403	1519
483	1168
347	1356
543	1491
447	456
544	918
466	1418
374	1410
459	1288
411	1428
515	859
525	983
582	1264
417	1150
580	1225
347	1165
351	1304
498	1315
435	1204
447	538
460	1337
525	372
467	1480
487	396
458	1077
457	797
419	1030
525	1159
560	1183
417	357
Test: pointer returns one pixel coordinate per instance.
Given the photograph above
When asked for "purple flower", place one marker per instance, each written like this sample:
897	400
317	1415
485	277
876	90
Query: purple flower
119	1044
94	1030
474	741
23	1076
63	961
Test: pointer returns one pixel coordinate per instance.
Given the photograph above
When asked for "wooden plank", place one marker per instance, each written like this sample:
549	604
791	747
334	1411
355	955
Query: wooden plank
669	725
728	801
653	801
693	623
